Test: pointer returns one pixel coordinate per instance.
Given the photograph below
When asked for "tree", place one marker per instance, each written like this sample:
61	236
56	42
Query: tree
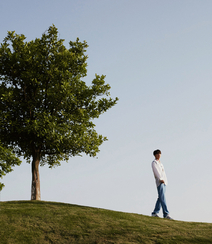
46	109
7	161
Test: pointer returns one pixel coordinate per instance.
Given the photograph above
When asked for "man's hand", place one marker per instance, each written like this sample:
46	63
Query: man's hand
162	181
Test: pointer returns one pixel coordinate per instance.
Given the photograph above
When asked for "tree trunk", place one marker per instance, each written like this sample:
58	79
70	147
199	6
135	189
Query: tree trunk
35	191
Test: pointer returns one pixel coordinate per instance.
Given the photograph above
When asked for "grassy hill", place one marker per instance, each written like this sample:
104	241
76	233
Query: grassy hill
49	222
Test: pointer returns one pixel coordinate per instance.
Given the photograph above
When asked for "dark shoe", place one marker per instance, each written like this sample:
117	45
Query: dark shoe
154	215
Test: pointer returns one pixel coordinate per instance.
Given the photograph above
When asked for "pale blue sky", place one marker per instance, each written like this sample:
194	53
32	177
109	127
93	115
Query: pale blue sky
157	57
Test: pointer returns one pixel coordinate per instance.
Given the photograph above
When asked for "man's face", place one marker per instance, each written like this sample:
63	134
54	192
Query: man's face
157	156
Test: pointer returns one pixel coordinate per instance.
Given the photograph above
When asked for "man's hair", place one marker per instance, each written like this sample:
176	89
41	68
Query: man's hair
156	152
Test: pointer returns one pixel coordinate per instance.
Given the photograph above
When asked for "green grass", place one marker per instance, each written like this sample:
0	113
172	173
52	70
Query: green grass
49	222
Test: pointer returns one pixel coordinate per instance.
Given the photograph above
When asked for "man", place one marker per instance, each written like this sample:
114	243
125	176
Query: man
161	182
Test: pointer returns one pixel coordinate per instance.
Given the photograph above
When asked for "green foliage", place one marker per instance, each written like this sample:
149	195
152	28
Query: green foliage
45	106
49	222
7	161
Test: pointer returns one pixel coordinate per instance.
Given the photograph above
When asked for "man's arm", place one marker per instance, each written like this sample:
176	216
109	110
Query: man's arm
157	173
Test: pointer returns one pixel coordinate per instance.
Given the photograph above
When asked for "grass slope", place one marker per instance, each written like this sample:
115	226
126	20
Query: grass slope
49	222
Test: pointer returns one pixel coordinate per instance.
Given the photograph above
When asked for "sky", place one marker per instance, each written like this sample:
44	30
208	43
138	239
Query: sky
157	57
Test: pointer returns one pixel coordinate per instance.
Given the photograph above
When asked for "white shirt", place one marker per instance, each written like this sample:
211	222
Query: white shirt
159	172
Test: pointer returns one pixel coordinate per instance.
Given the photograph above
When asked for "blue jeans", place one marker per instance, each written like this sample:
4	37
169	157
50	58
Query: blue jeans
161	201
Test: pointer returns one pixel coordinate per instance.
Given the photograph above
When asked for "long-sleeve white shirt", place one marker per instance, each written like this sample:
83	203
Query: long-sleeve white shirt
159	172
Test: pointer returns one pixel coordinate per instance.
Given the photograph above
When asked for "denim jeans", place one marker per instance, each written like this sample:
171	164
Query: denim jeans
161	201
